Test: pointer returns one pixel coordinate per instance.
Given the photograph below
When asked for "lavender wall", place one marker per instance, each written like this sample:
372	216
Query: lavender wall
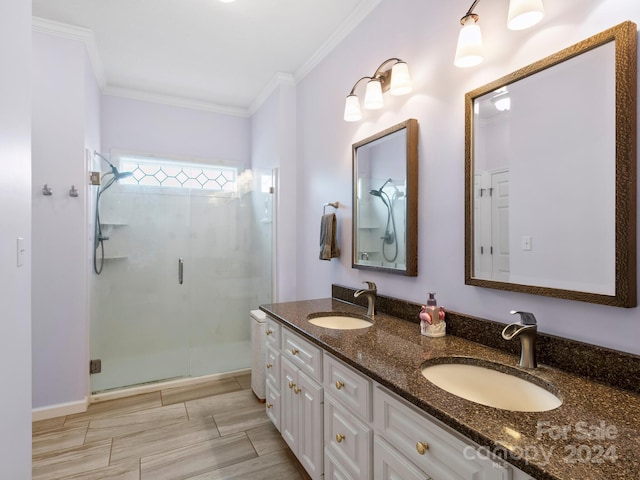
273	128
59	288
425	34
151	128
15	211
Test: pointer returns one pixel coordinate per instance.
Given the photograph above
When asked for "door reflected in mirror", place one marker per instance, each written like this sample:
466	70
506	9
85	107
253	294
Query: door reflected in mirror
385	168
550	175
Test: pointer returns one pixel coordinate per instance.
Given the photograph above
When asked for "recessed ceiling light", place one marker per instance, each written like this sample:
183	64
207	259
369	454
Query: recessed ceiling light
226	1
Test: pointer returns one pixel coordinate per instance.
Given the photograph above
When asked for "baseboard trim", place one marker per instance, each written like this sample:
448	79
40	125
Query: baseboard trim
162	385
59	410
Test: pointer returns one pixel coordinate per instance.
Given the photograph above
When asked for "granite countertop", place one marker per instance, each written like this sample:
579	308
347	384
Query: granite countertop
594	434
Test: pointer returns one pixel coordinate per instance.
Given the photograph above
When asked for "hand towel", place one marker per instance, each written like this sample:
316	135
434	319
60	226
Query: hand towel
328	242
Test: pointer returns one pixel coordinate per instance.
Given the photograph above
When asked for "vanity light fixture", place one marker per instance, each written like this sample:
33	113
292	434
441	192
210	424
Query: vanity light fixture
502	100
395	79
522	14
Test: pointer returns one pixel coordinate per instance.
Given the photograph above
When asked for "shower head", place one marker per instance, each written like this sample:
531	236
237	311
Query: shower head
118	175
114	171
380	194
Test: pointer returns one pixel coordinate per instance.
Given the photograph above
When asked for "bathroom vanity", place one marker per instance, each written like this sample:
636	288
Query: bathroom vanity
354	404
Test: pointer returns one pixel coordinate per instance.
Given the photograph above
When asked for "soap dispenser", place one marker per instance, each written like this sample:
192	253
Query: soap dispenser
432	322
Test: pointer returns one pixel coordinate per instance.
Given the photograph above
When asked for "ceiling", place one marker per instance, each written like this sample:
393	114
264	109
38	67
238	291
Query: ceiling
218	56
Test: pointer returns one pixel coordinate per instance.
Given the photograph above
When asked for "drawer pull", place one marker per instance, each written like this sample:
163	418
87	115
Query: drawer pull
339	437
269	332
339	384
296	390
291	384
269	365
422	447
269	405
295	351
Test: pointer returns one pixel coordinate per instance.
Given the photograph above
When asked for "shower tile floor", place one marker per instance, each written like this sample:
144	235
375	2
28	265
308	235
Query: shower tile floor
212	431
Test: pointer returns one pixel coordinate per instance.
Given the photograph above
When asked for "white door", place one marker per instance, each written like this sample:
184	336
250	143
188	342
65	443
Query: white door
500	224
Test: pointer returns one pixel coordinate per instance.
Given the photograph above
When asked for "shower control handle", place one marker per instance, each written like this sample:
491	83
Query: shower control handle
180	271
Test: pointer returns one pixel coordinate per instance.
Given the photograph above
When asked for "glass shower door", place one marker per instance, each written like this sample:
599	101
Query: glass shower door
139	310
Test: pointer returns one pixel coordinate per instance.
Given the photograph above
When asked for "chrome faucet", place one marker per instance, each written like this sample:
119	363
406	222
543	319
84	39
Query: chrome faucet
370	293
527	330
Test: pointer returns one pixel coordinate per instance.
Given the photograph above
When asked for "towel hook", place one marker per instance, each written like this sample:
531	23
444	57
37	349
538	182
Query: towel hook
47	190
330	204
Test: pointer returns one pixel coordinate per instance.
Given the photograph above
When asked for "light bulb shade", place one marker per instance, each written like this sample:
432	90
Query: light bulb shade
524	14
373	95
400	79
469	49
352	109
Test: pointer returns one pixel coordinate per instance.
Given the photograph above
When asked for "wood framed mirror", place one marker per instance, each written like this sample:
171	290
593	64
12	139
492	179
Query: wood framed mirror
550	175
385	200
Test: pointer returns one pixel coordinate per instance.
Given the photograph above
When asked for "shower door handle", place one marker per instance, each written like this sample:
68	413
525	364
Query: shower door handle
180	270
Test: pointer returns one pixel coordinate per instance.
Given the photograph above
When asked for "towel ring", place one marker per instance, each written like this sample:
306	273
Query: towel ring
330	204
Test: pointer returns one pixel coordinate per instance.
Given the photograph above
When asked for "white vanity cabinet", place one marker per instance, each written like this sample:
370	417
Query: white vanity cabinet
436	452
347	414
302	401
342	425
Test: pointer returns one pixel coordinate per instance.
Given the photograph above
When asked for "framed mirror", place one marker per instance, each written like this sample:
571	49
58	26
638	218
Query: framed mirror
550	175
385	200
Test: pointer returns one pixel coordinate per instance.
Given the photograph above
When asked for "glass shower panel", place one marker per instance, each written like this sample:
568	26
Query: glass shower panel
229	273
139	323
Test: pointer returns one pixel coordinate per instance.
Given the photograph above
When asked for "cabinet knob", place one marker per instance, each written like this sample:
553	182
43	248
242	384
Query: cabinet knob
291	384
339	437
296	390
295	351
422	447
339	384
269	332
269	405
269	365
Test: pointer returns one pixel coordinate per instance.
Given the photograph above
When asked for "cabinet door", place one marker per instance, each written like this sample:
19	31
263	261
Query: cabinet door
332	468
289	404
389	464
347	438
310	434
272	404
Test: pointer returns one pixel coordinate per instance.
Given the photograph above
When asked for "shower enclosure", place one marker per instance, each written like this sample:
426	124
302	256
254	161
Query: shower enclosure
187	255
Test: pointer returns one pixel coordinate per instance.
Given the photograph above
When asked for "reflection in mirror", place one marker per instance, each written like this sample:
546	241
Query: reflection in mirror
385	169
550	175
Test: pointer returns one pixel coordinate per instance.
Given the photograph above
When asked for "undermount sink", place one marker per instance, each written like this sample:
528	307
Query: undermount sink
490	387
339	321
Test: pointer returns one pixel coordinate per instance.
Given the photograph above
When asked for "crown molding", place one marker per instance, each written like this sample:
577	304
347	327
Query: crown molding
72	32
350	23
174	101
279	79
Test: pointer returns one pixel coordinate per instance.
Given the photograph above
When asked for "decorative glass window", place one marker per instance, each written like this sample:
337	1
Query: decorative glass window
150	172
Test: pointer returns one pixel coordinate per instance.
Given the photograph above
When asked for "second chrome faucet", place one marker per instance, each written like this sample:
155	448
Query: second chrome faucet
370	292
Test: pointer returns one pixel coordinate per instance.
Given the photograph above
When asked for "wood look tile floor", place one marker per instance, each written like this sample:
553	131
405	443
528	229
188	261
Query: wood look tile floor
216	430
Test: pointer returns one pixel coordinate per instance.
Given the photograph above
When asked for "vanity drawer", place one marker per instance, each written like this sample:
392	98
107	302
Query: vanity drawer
302	353
272	332
347	438
349	386
273	365
430	447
